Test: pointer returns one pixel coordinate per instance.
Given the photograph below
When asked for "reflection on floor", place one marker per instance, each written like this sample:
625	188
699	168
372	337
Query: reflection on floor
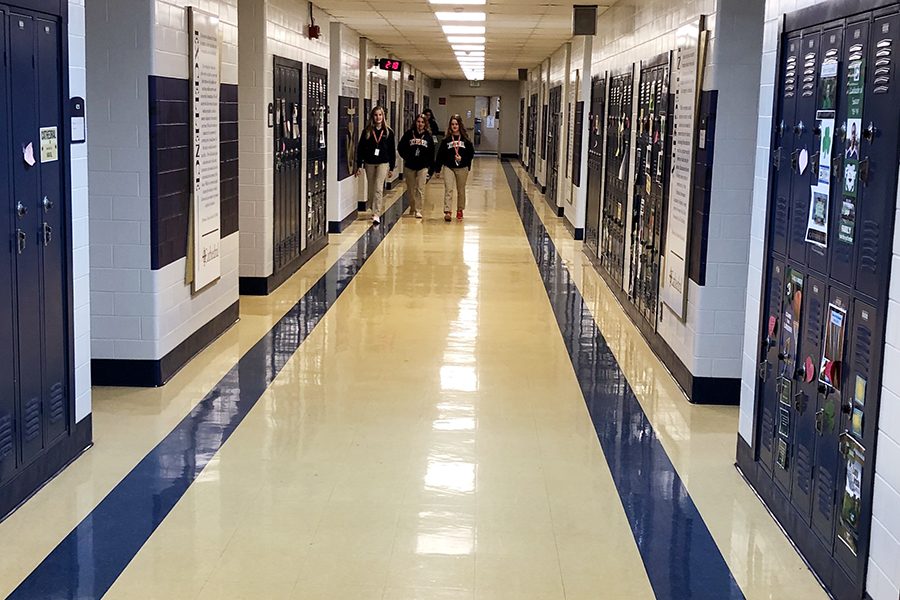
419	434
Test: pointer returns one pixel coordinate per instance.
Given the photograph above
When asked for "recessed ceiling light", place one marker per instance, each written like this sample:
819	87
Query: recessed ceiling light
460	16
468	47
463	29
465	39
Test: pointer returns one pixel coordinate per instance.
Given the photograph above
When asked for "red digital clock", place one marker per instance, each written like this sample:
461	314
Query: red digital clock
389	64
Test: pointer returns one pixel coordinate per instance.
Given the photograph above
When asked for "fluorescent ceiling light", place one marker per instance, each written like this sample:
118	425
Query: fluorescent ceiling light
465	39
464	29
460	16
468	47
471	61
470	54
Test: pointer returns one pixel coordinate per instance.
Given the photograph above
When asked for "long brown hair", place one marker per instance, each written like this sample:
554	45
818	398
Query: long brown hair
424	120
462	128
370	126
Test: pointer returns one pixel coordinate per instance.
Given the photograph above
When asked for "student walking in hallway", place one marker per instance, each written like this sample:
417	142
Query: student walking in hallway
417	150
376	152
455	153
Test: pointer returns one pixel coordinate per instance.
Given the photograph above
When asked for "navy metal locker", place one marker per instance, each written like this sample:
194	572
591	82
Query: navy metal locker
829	235
596	126
553	130
769	366
316	155
9	450
288	223
48	239
26	191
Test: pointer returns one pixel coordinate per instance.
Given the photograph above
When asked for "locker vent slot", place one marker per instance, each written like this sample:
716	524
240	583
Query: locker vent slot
768	428
883	66
798	220
863	349
790	77
57	403
804	468
31	425
814	322
825	493
809	75
6	436
843	253
868	249
781	217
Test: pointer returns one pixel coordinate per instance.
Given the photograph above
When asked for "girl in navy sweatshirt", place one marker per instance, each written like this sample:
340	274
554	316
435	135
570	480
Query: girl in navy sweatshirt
455	153
377	152
417	151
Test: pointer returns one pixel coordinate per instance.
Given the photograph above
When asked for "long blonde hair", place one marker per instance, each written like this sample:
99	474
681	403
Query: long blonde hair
370	126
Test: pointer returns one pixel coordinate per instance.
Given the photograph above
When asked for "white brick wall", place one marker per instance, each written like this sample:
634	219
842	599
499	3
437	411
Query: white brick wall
139	313
117	47
80	227
343	80
884	559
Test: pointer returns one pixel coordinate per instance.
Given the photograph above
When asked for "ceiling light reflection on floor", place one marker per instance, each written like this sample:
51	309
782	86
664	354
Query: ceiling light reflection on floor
454	477
457	378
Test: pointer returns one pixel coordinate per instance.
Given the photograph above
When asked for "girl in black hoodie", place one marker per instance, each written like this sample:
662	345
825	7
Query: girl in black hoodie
417	151
455	152
377	150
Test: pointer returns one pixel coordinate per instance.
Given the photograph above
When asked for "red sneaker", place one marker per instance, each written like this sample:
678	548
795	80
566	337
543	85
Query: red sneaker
447	216
459	215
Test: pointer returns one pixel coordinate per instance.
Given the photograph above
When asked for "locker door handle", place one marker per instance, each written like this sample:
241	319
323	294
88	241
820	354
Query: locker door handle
864	170
800	402
21	238
870	132
795	161
21	209
820	420
47	204
48	234
764	371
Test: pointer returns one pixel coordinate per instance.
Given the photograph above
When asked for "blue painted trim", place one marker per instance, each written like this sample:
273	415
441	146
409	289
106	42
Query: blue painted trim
678	551
89	560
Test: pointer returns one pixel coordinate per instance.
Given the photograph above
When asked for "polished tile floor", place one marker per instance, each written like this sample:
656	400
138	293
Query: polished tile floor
427	427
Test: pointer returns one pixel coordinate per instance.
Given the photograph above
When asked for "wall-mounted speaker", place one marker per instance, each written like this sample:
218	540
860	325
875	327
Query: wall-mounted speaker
584	19
436	83
523	74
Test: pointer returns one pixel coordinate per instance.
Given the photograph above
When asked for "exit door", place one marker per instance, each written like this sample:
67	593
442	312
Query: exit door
35	394
832	202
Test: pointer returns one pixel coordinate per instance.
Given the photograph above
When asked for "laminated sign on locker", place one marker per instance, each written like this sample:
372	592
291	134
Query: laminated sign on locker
832	202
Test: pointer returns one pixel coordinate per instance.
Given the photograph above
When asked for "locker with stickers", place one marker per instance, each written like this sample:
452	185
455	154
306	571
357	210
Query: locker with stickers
36	368
832	202
553	129
596	127
316	156
289	218
617	187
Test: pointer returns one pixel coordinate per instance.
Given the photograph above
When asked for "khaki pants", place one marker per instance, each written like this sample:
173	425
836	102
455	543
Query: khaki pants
454	181
415	186
375	176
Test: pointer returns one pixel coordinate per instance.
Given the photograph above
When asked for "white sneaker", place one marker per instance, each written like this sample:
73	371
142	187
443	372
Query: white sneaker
376	219
418	214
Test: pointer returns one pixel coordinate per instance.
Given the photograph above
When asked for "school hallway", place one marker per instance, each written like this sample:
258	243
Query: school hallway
424	410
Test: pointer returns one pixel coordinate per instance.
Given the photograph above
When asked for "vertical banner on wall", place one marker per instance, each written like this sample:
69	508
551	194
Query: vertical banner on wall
688	68
206	197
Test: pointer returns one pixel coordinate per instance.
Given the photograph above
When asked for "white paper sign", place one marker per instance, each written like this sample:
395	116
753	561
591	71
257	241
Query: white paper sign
673	291
49	145
204	61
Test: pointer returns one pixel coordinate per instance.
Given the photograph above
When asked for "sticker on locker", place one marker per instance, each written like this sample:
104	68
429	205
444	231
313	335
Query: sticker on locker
49	145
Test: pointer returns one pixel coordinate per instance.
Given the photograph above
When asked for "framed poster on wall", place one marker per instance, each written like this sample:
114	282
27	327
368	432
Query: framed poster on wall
687	76
206	193
348	135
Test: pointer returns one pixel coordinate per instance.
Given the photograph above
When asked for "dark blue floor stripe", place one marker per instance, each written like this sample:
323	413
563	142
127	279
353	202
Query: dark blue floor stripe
87	562
679	554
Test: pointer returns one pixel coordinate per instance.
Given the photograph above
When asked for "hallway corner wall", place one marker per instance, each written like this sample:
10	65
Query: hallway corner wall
343	81
883	580
146	322
78	156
